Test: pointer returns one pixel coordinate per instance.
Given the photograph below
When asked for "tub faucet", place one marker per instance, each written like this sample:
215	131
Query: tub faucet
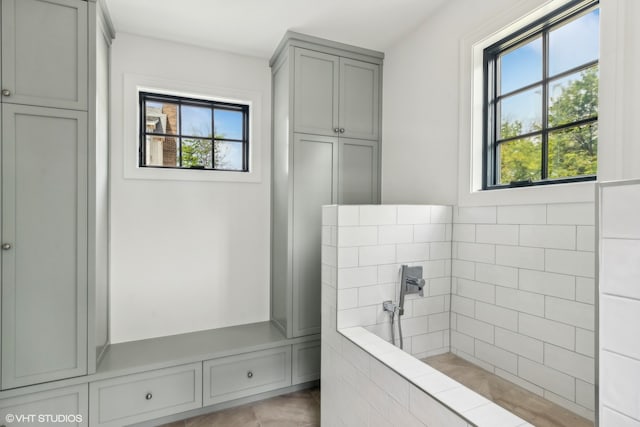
411	282
415	285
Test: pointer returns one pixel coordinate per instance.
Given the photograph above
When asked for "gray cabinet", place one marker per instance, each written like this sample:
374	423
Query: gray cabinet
66	406
232	377
305	365
135	398
326	130
359	99
44	230
335	95
316	86
54	189
359	167
44	53
317	156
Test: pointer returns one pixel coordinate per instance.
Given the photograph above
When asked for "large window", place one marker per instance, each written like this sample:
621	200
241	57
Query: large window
185	133
541	101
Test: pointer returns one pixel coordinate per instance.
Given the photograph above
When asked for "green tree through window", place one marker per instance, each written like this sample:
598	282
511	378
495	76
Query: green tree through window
572	150
541	100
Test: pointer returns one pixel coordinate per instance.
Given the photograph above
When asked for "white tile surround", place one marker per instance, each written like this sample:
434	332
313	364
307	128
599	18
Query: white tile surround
619	270
366	381
372	244
523	290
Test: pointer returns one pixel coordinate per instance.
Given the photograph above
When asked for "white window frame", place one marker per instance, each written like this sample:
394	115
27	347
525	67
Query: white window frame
470	143
134	84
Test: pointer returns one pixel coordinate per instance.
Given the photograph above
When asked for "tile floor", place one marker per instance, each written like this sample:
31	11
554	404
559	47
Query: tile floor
298	409
523	403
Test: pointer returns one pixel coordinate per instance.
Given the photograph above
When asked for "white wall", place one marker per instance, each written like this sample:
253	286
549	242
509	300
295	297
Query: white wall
619	150
424	115
523	297
372	244
366	381
187	255
619	305
422	101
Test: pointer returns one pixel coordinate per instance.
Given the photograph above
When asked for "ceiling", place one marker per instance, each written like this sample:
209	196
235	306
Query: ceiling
254	27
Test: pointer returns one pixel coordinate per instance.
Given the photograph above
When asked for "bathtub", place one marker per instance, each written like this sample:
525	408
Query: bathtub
366	380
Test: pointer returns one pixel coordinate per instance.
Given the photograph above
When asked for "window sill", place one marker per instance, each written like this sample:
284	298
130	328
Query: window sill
573	192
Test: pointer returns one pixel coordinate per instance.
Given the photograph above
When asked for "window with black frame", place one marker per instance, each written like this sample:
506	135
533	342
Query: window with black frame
541	101
185	133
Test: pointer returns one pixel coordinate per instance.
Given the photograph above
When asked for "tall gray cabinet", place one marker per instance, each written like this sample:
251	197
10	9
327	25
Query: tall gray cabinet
54	189
326	150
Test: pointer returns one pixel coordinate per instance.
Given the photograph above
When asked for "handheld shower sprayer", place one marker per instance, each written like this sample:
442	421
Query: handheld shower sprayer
411	282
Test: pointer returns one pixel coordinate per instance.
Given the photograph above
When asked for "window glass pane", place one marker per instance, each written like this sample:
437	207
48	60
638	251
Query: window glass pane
161	117
520	160
196	121
574	43
574	97
196	153
161	151
228	155
521	113
573	151
521	67
229	124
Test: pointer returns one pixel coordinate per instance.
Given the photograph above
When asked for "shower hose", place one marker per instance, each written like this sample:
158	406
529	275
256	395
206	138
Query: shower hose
393	338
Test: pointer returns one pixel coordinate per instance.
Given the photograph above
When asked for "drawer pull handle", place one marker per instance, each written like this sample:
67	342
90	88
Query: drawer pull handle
6	92
148	396
249	374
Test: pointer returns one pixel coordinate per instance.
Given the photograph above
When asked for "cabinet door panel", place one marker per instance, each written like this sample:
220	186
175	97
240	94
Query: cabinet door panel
359	99
44	52
314	164
43	408
358	172
44	218
315	92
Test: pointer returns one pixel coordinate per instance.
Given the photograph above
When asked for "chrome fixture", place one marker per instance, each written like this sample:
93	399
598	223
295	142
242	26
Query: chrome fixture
392	308
411	282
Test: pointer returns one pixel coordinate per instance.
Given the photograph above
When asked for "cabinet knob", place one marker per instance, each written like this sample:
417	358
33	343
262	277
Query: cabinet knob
6	92
6	246
336	130
249	374
341	130
148	396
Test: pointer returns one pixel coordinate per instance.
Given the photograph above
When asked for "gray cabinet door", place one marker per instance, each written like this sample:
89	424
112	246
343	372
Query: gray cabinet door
358	172
316	84
44	52
44	408
315	160
359	99
44	219
233	377
136	398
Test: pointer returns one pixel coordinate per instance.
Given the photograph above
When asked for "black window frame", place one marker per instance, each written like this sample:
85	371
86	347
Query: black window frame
539	28
144	97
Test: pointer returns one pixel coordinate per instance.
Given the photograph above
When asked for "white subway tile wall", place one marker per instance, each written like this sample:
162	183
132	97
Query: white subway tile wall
522	301
619	294
372	246
357	389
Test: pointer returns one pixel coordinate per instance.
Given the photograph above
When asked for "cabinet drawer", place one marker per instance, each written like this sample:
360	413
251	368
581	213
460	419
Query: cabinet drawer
232	377
140	397
66	406
306	362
